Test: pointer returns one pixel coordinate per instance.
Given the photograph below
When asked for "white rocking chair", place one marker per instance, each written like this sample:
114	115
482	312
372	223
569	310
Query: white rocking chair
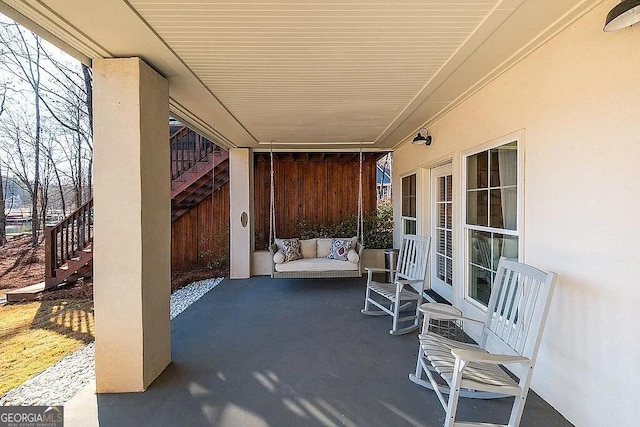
407	284
518	308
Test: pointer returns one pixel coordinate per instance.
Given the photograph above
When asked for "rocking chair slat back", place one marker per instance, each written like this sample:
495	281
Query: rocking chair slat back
513	314
411	259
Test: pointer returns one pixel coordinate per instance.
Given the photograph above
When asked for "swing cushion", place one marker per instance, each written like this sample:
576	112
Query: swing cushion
339	249
323	248
320	266
308	248
290	248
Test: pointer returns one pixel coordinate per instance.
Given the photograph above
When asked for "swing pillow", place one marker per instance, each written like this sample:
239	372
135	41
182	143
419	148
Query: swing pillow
339	249
290	248
278	257
308	248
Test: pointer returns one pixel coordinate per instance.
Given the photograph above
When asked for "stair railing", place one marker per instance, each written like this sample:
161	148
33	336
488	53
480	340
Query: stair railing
67	238
187	149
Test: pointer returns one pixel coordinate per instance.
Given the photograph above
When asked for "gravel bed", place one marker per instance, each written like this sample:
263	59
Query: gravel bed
60	382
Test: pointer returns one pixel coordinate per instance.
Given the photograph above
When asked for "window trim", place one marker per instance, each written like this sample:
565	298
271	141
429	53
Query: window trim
402	195
464	227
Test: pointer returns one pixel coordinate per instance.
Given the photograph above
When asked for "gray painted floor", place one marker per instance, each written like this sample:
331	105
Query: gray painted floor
265	352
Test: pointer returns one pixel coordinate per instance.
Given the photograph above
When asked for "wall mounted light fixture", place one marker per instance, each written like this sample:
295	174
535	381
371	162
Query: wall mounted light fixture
423	137
623	15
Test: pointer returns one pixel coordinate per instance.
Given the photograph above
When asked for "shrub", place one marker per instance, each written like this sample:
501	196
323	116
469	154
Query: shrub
378	228
214	249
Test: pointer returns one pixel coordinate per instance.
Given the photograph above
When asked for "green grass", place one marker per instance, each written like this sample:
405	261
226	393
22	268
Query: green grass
36	335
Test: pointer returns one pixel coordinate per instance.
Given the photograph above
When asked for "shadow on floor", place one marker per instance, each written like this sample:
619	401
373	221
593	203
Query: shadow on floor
266	352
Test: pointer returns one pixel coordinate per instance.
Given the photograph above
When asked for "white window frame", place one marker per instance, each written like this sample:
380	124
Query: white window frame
477	306
409	218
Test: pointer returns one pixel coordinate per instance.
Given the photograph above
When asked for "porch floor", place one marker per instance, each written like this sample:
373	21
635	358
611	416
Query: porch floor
286	352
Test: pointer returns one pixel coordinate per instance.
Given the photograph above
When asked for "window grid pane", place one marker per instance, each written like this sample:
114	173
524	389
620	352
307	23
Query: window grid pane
409	196
492	201
444	231
410	226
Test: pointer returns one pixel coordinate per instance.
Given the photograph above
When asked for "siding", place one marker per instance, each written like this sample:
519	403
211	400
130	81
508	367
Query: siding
194	233
312	187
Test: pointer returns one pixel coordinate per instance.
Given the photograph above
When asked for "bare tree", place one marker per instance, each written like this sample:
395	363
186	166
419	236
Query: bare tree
47	137
3	218
88	83
49	151
21	55
69	103
18	148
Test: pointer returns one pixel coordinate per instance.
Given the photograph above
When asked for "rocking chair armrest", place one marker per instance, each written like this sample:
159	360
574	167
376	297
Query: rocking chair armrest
450	316
469	355
408	282
379	270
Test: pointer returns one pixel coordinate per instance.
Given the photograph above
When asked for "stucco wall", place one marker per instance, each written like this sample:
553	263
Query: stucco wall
576	101
132	252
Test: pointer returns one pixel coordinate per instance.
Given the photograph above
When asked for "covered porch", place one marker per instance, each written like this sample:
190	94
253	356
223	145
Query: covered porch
310	77
287	352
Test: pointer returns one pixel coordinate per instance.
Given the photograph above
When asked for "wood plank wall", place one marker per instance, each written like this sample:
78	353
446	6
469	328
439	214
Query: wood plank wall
195	232
312	187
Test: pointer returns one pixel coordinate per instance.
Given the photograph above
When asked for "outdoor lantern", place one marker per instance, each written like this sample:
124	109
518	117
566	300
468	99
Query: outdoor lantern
623	15
423	138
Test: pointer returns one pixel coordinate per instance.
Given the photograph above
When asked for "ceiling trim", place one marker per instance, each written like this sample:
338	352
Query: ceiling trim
49	25
579	10
187	92
181	113
7	10
492	21
320	143
321	150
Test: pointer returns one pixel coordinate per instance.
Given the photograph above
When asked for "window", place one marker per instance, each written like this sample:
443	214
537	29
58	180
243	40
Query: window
444	229
409	220
491	224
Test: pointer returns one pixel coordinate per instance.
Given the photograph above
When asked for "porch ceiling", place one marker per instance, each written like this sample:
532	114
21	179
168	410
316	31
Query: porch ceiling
305	74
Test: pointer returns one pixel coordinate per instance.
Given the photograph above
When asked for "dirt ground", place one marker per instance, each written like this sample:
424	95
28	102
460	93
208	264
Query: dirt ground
23	265
20	263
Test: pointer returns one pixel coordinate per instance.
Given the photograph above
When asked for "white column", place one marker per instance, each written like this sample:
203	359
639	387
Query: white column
240	211
132	249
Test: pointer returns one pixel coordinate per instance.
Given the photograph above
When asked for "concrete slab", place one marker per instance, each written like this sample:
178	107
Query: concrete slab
82	409
267	352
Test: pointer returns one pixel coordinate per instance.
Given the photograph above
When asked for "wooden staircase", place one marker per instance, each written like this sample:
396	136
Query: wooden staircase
194	160
68	248
69	244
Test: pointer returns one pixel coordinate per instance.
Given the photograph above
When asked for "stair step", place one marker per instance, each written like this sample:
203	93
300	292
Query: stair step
74	268
28	293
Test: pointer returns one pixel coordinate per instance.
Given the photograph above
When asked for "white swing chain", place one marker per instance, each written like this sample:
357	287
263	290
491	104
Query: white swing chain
360	231
272	203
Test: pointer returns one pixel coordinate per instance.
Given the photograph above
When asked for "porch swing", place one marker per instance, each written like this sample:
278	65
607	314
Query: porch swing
315	258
